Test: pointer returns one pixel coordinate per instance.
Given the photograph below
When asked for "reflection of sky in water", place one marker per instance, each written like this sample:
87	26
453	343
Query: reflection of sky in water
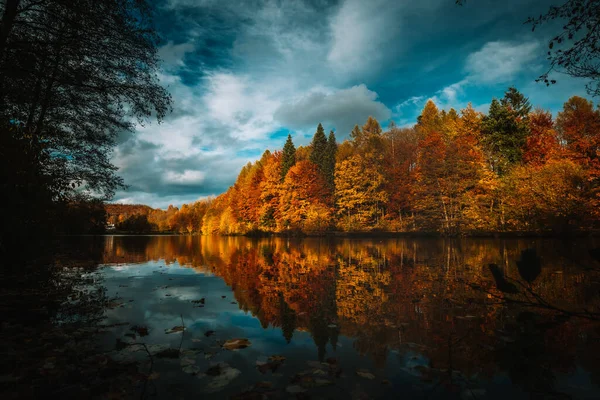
159	296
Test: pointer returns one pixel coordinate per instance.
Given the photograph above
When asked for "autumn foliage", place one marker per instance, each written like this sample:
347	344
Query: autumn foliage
511	170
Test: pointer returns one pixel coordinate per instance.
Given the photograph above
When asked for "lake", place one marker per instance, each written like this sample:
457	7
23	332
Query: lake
221	317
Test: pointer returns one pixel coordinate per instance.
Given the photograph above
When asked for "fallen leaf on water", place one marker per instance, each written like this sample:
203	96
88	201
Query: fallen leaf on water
236	344
363	373
153	348
175	329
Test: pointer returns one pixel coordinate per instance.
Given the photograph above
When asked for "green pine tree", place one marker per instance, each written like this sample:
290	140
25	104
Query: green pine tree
517	102
330	153
319	148
288	157
505	130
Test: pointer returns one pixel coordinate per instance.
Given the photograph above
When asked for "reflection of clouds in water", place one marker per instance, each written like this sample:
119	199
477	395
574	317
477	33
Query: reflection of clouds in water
161	296
358	300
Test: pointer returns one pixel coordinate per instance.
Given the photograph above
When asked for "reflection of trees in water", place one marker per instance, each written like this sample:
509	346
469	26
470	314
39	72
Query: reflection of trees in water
437	295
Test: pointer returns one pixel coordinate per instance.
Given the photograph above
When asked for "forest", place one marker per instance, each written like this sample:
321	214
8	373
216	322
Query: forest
514	169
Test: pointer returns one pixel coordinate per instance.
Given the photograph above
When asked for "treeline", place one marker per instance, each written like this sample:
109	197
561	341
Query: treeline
515	169
144	219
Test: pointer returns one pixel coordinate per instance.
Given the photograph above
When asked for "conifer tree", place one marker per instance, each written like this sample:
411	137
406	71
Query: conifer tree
319	148
505	130
288	157
330	153
430	119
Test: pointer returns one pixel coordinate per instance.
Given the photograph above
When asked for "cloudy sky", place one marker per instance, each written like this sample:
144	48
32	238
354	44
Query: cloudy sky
243	74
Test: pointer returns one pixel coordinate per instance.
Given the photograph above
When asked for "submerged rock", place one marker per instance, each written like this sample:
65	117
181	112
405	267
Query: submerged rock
221	375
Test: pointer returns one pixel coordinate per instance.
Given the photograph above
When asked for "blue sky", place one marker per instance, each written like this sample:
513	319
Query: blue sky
245	73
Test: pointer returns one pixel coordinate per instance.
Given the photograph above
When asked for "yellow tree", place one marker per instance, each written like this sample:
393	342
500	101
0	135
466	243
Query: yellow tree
430	120
548	196
449	173
304	194
360	191
270	192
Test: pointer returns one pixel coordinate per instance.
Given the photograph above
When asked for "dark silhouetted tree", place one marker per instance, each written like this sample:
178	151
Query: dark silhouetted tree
73	76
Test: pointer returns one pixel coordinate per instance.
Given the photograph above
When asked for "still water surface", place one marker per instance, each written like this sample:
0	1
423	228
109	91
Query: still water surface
349	318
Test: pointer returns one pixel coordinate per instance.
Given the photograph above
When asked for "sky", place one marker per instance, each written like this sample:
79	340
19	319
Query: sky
244	74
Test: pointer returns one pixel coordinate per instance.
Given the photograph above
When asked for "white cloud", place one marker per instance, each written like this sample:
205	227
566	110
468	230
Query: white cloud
500	62
358	31
341	109
245	107
411	101
452	96
187	177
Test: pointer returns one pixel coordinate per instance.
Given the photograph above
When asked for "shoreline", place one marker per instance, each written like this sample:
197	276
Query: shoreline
369	234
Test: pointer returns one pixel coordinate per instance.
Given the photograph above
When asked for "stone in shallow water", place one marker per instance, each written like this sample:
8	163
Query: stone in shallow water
221	375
